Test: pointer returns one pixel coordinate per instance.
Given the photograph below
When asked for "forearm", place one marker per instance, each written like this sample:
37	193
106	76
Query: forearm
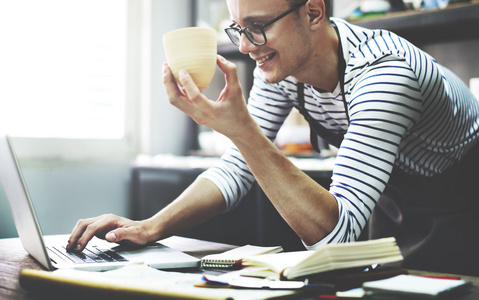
201	201
309	209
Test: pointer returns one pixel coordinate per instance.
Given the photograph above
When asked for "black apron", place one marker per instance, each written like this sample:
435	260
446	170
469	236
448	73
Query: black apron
434	219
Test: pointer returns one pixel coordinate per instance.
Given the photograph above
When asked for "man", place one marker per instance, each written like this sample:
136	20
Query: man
406	129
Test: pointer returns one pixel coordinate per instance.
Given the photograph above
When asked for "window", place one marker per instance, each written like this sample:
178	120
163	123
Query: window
63	70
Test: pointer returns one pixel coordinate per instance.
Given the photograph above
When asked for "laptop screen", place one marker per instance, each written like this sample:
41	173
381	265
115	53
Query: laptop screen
21	207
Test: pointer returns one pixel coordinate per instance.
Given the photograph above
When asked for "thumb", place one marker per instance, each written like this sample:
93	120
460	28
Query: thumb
229	69
111	236
117	235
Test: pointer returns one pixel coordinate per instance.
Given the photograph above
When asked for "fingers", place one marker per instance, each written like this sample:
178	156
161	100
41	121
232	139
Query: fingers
109	227
172	89
198	106
188	84
219	114
77	233
85	230
175	95
189	100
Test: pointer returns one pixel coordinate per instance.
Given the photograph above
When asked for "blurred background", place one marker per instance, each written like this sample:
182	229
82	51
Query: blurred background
82	96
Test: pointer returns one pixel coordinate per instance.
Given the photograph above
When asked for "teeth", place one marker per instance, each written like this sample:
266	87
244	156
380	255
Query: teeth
264	58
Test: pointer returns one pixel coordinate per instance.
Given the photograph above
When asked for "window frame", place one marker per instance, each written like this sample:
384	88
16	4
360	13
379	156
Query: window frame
38	150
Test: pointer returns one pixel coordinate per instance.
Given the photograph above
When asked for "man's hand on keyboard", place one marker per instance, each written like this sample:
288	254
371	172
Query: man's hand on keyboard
109	227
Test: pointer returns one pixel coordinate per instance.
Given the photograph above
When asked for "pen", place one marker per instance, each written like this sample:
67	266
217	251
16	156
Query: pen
442	277
327	297
271	284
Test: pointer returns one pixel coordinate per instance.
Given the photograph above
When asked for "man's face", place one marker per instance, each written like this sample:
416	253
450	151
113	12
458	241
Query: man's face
285	52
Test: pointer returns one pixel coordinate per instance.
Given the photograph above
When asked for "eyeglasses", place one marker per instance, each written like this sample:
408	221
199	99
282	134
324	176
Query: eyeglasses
255	33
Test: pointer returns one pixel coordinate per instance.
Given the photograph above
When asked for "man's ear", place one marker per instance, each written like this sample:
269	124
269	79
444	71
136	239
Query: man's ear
317	12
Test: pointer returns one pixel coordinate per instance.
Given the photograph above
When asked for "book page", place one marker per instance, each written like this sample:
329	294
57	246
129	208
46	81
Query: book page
278	261
327	257
414	285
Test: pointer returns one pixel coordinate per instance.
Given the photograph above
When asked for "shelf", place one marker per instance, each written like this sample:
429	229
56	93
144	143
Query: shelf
456	22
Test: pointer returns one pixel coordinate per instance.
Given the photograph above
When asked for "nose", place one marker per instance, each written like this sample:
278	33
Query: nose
246	46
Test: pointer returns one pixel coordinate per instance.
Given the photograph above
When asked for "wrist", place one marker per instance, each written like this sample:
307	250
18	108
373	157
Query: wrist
246	131
152	230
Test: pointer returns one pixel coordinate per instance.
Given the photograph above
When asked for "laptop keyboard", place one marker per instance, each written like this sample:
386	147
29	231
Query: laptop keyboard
89	255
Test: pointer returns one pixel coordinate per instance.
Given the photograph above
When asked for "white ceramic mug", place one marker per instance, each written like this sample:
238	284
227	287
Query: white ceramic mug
192	49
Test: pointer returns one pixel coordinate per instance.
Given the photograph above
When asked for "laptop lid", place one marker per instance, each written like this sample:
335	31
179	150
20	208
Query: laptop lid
33	241
21	207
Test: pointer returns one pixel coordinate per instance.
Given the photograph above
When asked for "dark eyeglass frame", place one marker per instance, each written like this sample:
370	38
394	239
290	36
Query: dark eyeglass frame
234	28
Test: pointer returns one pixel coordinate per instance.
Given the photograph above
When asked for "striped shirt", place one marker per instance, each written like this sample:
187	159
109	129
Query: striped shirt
405	110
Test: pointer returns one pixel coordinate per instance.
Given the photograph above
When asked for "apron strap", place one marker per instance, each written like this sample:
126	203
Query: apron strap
315	128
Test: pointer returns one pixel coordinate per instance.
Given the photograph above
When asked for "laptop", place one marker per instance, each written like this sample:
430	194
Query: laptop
50	250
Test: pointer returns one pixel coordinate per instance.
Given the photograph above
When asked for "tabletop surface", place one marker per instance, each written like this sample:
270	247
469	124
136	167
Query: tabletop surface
13	258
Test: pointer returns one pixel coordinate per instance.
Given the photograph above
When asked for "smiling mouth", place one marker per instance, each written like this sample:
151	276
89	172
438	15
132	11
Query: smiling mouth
267	57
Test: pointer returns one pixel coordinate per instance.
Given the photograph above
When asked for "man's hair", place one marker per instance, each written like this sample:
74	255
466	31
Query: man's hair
327	4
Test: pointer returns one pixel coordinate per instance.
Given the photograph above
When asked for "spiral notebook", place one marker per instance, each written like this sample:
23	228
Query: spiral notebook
232	258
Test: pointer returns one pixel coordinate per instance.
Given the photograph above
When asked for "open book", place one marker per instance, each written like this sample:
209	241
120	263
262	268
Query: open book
327	257
234	257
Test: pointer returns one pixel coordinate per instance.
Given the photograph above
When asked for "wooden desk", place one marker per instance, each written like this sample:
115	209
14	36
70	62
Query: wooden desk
13	258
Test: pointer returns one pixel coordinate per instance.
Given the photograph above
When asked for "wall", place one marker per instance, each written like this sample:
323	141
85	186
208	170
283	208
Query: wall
168	127
63	193
459	56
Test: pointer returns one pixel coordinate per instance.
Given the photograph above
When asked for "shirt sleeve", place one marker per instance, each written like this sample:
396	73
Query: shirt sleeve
385	104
